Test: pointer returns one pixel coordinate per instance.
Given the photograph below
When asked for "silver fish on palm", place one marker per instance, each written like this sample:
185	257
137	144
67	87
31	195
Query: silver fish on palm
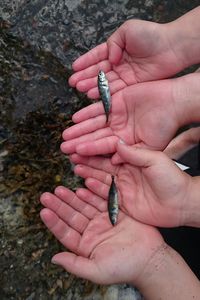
113	203
104	92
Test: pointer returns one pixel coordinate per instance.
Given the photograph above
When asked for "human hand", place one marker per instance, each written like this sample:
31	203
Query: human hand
146	114
140	51
137	51
183	142
100	252
152	189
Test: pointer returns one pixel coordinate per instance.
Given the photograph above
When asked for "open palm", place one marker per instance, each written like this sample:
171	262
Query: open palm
99	249
138	115
138	51
151	188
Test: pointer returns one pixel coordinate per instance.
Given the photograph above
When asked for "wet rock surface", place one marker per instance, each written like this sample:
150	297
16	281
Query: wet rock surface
38	42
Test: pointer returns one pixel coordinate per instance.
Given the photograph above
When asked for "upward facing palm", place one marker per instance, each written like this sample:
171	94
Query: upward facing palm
151	187
99	249
138	51
138	115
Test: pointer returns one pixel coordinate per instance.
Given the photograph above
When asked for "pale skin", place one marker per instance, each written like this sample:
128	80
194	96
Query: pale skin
183	143
138	51
131	251
152	189
148	114
127	252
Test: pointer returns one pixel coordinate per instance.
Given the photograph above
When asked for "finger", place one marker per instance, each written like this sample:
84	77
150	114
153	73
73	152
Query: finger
92	57
183	143
154	162
98	147
69	237
100	163
115	46
138	156
93	199
93	93
116	159
71	198
85	127
85	172
88	112
97	187
72	217
89	73
87	84
69	135
114	86
78	265
69	147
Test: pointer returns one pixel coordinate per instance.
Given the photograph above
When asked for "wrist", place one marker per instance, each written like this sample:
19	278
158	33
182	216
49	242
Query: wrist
167	276
184	37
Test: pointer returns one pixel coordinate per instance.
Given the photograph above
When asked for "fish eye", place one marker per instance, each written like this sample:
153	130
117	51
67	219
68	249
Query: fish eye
100	73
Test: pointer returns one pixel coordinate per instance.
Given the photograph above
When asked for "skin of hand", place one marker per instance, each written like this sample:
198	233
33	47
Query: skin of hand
100	252
183	142
145	113
152	189
129	252
140	51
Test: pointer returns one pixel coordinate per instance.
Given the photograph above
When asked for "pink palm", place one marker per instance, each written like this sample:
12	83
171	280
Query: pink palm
99	249
153	191
138	51
138	116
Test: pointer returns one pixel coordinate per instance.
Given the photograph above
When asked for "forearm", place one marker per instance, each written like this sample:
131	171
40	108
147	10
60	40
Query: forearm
167	276
191	213
184	37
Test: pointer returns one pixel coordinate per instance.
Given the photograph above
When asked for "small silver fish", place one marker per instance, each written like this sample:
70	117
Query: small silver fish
104	92
113	203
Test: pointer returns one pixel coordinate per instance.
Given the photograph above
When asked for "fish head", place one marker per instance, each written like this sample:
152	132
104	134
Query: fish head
101	76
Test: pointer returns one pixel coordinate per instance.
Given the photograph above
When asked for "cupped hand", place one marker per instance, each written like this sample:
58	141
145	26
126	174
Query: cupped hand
143	114
152	189
137	51
100	252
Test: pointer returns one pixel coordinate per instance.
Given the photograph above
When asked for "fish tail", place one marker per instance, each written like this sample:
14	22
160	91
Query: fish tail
107	117
112	221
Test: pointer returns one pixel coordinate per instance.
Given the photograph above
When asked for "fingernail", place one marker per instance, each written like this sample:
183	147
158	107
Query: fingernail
54	262
122	142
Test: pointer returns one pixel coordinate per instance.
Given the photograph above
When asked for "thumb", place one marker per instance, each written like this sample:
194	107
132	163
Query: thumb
115	48
77	265
138	156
